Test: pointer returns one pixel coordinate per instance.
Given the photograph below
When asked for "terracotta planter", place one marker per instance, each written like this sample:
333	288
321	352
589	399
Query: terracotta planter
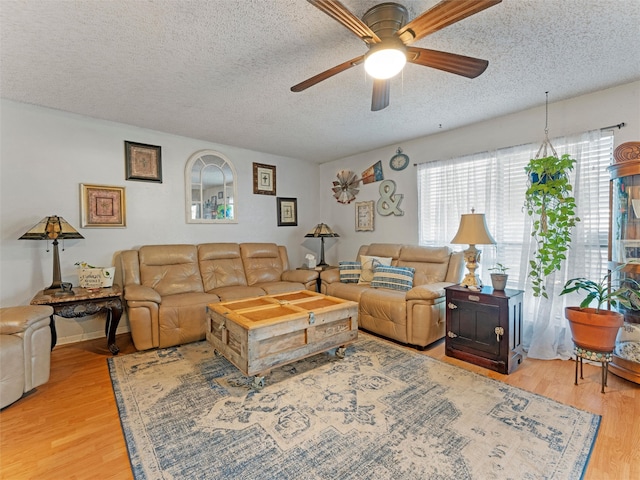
594	331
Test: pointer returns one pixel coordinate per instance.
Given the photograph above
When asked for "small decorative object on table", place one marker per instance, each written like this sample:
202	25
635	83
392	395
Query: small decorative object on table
499	278
310	261
91	277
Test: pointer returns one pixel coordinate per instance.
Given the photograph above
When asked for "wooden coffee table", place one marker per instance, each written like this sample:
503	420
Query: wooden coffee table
261	333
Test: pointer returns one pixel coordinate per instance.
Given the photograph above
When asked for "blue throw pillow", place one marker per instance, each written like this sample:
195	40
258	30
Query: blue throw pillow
395	278
350	272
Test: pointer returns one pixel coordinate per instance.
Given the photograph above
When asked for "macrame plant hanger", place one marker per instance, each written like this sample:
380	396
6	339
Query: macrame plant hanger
546	143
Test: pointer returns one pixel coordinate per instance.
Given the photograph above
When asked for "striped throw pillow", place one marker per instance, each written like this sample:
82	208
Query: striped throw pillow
350	272
395	278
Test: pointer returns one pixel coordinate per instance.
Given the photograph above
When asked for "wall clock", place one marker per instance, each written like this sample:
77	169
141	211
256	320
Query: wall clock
399	161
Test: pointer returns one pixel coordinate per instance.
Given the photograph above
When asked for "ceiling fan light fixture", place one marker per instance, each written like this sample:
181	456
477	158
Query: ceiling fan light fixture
385	62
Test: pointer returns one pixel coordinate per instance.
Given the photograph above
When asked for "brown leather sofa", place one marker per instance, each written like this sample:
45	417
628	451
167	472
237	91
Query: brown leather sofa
415	317
167	287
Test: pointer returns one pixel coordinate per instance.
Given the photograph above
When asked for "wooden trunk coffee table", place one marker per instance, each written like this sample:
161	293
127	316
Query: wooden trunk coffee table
258	334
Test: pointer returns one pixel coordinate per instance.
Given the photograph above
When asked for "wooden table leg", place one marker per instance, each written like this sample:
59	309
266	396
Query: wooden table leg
114	313
54	334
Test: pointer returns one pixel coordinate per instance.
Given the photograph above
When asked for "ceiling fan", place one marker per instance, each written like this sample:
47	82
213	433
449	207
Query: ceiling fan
384	29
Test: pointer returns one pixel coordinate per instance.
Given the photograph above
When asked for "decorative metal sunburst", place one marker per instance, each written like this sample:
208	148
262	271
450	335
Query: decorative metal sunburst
344	190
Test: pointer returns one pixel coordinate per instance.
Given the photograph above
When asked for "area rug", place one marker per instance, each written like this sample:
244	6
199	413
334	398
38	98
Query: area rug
382	412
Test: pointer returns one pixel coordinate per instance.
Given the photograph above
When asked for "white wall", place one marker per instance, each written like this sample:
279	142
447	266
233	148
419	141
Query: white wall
46	154
587	112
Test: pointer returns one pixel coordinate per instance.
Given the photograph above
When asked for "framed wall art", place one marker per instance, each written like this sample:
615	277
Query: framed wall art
143	162
631	251
264	179
364	216
287	212
102	206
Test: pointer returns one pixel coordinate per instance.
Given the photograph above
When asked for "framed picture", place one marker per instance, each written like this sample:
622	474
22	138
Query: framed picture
102	206
364	216
220	195
631	251
287	212
264	179
143	162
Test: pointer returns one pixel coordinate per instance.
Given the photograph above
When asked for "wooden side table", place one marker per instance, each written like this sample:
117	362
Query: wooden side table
82	303
485	327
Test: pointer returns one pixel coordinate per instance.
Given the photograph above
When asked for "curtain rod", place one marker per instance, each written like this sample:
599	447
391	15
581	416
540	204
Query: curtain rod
611	127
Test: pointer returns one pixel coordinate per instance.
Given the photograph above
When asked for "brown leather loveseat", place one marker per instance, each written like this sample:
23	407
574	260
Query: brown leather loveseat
167	287
414	315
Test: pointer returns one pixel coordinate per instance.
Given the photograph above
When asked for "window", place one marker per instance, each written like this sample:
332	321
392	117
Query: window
494	183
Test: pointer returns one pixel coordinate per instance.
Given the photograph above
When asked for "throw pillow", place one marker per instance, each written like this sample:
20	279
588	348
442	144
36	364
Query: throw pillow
349	272
369	264
395	278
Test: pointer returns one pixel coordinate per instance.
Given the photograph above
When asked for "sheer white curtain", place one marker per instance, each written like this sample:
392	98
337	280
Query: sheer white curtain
494	183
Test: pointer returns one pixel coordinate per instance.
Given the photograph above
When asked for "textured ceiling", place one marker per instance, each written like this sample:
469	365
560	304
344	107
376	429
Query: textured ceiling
221	70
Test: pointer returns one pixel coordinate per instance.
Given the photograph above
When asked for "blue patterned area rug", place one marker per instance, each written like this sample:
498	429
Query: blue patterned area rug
383	412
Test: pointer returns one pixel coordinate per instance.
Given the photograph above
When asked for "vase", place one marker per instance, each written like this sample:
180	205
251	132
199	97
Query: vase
594	331
499	281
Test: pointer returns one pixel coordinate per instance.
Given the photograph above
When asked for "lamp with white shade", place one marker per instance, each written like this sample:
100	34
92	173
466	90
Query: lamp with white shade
472	231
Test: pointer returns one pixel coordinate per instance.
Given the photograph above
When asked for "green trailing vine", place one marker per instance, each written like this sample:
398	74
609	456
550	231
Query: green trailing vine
549	201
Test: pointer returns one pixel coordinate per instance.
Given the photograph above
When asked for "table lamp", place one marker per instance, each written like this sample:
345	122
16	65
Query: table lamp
53	228
322	230
473	231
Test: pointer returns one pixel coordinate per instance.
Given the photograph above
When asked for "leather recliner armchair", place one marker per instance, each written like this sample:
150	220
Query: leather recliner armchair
25	350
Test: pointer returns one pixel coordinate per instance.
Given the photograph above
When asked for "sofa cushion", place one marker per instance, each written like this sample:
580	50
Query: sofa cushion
431	263
395	278
221	265
262	262
350	272
369	263
348	291
170	269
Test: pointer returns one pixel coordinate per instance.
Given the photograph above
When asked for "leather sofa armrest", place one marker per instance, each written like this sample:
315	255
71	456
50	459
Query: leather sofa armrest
141	293
330	276
301	276
431	291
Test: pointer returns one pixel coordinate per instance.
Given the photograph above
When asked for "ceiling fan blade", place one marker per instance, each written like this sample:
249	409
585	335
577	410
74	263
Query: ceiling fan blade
340	13
449	62
380	98
441	15
310	82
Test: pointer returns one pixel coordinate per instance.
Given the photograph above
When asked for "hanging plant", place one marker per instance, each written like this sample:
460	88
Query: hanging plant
550	202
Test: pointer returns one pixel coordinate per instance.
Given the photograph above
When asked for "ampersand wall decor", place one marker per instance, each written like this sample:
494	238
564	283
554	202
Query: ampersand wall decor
389	203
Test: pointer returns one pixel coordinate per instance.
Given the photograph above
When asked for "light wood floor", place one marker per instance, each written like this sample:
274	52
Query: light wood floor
69	428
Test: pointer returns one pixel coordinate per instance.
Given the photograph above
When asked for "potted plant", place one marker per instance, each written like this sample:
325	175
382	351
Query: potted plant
550	202
499	278
595	329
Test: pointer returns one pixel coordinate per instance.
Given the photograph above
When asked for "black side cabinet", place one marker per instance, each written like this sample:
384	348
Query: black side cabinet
485	327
